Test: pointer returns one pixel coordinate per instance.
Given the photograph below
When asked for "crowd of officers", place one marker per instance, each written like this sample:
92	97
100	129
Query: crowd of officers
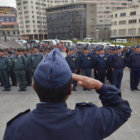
108	63
17	66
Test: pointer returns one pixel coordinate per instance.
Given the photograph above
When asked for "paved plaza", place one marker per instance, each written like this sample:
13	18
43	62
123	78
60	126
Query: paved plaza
11	103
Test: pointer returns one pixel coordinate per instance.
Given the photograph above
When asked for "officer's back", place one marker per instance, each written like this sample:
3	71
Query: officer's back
52	119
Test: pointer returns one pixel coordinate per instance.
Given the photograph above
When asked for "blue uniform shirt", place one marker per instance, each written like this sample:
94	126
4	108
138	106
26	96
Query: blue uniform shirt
134	60
53	121
86	61
118	61
72	61
101	62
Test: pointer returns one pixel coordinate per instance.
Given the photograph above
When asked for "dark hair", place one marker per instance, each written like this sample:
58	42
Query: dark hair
54	95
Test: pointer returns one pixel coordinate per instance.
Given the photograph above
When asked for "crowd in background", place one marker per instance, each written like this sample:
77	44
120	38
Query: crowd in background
17	66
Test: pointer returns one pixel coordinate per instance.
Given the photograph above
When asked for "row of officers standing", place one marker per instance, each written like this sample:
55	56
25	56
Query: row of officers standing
19	65
109	62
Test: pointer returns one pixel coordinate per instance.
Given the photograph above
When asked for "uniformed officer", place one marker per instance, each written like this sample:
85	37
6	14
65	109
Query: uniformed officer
97	51
86	62
4	70
79	53
134	65
28	71
101	65
52	119
19	66
118	62
36	57
73	63
11	71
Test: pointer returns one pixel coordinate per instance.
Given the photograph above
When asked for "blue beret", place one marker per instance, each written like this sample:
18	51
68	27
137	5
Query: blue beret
53	71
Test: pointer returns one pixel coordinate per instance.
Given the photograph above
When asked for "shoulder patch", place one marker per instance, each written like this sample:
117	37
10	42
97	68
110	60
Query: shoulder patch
85	104
20	114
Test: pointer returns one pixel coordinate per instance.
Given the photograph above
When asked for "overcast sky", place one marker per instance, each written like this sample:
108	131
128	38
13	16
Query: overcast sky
8	3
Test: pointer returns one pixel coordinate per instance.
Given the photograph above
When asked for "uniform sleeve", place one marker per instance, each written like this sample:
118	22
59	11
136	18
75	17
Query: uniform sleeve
6	135
115	110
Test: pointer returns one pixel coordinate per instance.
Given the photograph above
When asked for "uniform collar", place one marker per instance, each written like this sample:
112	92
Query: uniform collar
51	107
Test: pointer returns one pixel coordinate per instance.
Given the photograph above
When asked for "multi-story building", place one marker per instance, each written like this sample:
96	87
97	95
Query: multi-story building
104	9
8	22
104	12
126	24
75	20
32	15
32	18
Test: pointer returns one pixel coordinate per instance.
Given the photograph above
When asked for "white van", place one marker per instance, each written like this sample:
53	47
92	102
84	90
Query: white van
121	40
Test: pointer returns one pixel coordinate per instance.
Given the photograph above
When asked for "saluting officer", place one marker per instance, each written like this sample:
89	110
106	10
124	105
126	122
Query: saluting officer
4	70
73	63
52	120
19	66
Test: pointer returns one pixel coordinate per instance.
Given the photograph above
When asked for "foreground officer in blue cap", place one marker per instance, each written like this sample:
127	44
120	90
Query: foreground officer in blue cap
52	120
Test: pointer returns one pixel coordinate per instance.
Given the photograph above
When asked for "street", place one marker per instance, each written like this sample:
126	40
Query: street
13	102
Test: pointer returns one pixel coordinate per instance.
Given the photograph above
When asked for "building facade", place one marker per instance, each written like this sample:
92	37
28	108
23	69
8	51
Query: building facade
8	22
104	9
126	24
69	21
32	18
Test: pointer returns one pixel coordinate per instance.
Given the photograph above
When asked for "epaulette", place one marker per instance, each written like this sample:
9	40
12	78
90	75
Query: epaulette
20	114
85	104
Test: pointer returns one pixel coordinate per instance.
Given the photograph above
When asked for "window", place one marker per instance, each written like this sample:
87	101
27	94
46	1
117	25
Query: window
122	31
132	21
25	2
27	26
139	31
132	13
27	21
115	15
26	12
122	22
122	14
132	31
115	22
28	31
114	32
